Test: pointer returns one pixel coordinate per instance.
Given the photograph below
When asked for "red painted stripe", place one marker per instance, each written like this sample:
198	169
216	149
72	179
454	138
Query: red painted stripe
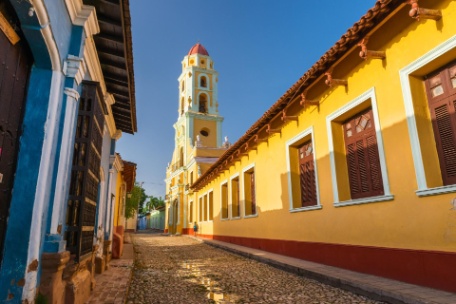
421	267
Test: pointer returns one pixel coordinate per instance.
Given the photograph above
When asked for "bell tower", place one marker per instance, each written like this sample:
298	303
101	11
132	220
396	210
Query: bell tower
198	116
198	138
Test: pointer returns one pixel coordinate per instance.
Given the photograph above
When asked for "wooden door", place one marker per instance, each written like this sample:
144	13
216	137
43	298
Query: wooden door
15	62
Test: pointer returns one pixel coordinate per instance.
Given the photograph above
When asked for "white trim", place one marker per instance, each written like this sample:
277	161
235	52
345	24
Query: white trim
74	67
48	36
365	200
44	182
64	164
436	190
288	144
365	97
309	208
410	112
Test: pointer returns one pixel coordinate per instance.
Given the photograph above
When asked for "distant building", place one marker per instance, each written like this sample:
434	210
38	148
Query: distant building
354	166
198	137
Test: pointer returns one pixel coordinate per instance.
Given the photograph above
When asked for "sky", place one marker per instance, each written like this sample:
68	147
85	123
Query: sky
260	48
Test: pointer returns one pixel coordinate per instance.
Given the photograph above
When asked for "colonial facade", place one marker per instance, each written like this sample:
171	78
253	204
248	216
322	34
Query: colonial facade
198	136
66	96
355	165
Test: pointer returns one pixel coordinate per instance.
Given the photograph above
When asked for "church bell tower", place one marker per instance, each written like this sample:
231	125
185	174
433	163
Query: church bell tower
198	116
198	137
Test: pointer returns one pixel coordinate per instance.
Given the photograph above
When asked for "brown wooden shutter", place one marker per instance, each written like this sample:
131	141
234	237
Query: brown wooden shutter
363	162
441	92
307	175
252	191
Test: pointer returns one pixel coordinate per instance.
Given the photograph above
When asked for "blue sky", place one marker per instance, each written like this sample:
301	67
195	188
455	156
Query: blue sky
260	48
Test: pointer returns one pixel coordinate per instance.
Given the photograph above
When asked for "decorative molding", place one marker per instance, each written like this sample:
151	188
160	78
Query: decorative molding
287	118
271	131
330	82
72	93
308	102
417	12
48	36
368	54
83	15
74	67
117	135
109	99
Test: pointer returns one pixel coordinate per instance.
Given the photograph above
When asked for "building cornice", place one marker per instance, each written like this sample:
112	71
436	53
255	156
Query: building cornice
83	15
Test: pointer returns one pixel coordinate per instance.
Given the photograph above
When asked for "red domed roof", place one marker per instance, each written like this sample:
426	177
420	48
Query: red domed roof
198	49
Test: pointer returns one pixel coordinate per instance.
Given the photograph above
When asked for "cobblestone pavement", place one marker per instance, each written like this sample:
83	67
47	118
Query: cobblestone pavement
180	269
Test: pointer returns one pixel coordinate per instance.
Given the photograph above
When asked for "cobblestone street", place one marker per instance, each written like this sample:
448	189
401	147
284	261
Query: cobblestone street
184	270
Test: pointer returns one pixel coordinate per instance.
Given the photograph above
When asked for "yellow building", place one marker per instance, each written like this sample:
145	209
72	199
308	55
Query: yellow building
125	172
198	137
355	165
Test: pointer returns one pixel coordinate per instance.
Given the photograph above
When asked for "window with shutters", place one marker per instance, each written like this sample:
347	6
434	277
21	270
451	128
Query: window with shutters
210	207
224	200
428	90
357	158
302	172
364	174
85	173
250	207
441	96
235	204
307	175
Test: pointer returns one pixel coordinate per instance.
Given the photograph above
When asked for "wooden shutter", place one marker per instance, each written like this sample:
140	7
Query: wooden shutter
363	162
85	175
252	191
307	175
441	92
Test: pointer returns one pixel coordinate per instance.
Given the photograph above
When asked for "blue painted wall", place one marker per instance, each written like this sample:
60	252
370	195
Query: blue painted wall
21	210
69	40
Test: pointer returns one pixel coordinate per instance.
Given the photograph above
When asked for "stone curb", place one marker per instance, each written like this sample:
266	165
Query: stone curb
372	287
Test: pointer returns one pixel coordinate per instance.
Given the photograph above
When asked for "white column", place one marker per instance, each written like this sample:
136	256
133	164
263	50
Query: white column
64	164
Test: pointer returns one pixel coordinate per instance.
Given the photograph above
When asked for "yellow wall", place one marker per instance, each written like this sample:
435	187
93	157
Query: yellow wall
119	182
406	221
211	139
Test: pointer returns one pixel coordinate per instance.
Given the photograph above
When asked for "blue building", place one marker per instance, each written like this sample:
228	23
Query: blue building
66	96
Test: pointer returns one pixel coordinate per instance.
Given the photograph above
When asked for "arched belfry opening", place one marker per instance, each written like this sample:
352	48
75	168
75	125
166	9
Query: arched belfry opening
203	82
202	103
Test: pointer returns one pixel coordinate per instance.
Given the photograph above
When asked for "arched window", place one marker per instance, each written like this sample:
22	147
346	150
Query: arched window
182	106
203	82
202	103
181	157
182	86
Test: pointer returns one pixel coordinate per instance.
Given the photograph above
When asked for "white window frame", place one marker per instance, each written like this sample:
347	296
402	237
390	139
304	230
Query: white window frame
242	191
309	132
363	98
404	74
